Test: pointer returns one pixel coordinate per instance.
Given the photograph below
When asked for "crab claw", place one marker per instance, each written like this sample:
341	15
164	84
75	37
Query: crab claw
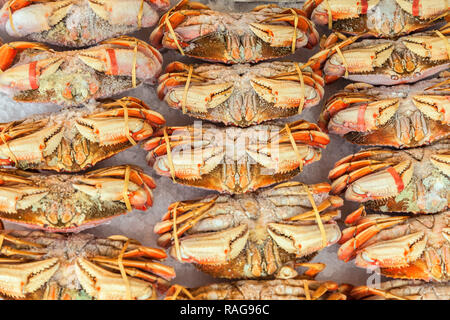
430	47
302	240
37	18
399	252
9	51
382	184
127	12
423	9
105	285
26	76
284	95
213	247
17	280
277	35
14	199
435	107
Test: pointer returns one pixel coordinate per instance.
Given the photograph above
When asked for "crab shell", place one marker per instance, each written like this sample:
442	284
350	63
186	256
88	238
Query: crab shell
235	160
33	73
266	32
400	116
78	23
253	235
411	181
76	139
403	290
35	265
70	203
378	18
241	95
280	289
388	62
400	246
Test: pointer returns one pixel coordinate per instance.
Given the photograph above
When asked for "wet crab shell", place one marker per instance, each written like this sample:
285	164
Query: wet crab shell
266	32
389	62
34	73
70	203
51	266
385	180
76	139
403	290
401	116
235	160
78	23
241	95
254	235
378	18
403	247
286	289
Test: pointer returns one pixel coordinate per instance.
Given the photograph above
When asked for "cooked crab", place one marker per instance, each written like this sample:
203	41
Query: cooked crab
385	62
403	290
33	73
35	265
400	116
235	160
266	32
379	18
78	138
412	180
280	289
253	235
241	95
400	246
78	23
63	202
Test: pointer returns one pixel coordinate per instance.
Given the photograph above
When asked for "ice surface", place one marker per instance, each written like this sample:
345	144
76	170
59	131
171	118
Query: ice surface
139	225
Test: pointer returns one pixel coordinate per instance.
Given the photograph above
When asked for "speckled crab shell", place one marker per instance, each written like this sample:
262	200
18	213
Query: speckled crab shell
35	265
378	18
402	116
34	73
241	95
70	203
413	180
255	235
266	32
78	23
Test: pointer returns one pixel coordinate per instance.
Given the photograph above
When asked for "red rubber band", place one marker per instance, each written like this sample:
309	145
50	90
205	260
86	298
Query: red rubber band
364	6
32	75
415	8
113	59
398	180
361	122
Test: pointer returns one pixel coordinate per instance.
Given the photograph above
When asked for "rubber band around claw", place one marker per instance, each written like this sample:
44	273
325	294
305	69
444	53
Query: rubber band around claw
175	232
344	62
306	288
294	146
317	214
169	154
302	85
122	269
125	117
294	37
330	15
172	32
140	14
186	88
125	188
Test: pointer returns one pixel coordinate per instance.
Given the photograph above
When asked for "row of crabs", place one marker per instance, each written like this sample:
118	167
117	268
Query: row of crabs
247	235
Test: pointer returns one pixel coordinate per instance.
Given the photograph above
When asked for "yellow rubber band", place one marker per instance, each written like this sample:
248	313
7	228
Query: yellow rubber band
172	32
447	45
294	146
294	37
306	288
125	118
169	154
122	269
186	88
133	71
344	62
175	232
318	219
140	14
10	16
302	84
330	15
125	188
